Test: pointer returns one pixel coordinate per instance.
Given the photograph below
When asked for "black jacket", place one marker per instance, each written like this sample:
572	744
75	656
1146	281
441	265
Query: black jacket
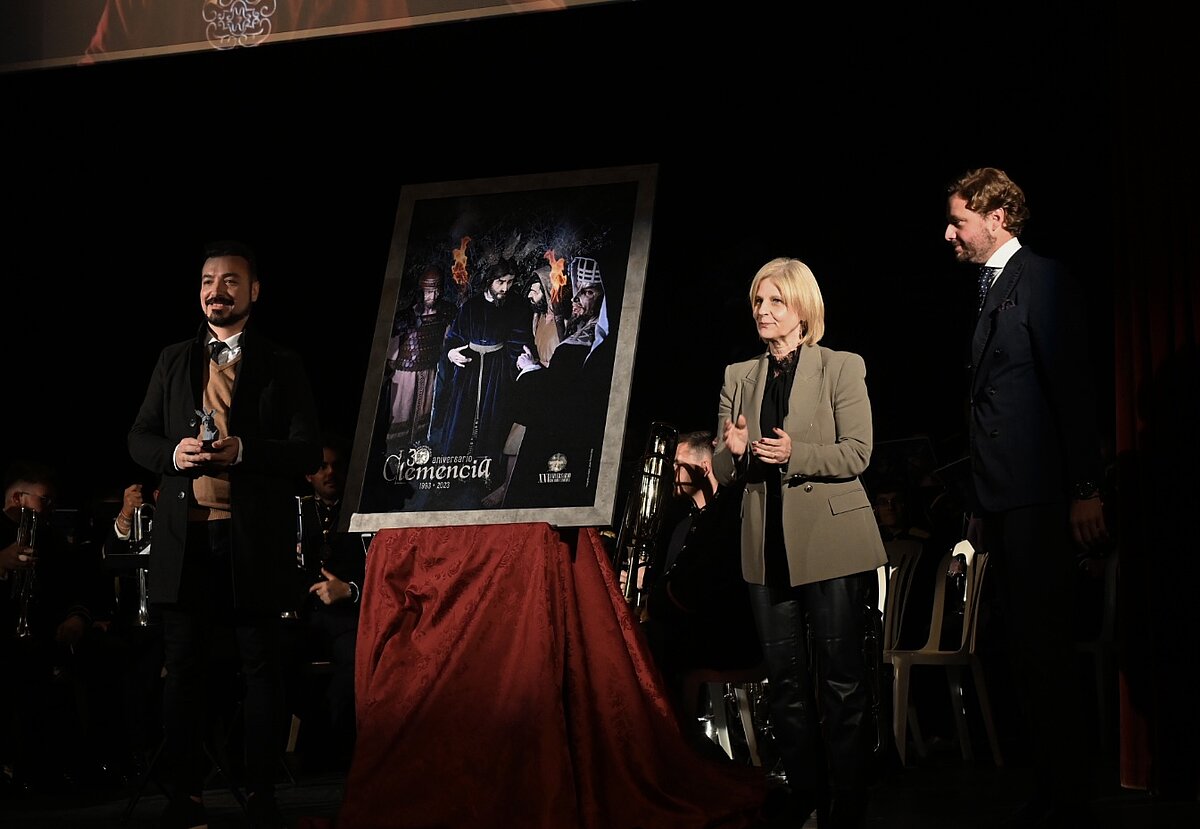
274	414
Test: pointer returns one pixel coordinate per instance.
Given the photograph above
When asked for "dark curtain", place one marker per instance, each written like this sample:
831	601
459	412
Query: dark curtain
1157	334
502	681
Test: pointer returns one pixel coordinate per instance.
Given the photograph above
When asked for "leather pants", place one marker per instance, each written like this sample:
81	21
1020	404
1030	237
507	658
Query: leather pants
819	691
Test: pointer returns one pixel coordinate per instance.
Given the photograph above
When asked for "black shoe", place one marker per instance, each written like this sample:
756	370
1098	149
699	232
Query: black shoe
263	812
183	813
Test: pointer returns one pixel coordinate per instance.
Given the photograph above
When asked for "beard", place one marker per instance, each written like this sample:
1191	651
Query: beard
226	315
976	252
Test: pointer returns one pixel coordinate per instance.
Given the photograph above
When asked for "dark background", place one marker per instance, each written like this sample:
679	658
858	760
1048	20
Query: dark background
826	136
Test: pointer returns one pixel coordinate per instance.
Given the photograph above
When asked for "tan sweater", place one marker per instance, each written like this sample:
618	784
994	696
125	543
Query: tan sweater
212	491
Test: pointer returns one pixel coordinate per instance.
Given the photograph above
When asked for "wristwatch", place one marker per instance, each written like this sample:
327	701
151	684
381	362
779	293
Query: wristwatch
1085	490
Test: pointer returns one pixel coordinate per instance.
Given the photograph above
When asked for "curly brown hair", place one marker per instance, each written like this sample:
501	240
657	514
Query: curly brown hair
988	188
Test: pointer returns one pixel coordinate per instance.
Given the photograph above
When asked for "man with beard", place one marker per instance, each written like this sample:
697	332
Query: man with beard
1034	470
472	410
547	327
546	331
413	355
562	405
223	557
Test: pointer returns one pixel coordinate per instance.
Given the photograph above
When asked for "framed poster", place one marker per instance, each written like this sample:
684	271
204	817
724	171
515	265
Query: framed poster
500	370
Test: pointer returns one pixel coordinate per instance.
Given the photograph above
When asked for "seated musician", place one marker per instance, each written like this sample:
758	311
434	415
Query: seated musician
134	628
48	648
698	608
332	574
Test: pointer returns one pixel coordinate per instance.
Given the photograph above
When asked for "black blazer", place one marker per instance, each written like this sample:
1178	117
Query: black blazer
1033	432
274	414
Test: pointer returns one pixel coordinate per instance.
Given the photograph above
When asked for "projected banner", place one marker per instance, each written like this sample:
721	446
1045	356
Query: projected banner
35	34
499	378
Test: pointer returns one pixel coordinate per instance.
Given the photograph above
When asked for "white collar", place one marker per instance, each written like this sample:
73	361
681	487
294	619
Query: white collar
1002	254
233	343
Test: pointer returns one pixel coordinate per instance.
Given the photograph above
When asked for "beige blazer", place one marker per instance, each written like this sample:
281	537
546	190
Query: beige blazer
829	528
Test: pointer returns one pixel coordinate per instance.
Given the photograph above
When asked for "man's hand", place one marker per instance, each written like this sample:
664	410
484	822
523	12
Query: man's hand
190	453
1087	523
16	556
131	500
225	451
458	357
331	590
526	360
70	631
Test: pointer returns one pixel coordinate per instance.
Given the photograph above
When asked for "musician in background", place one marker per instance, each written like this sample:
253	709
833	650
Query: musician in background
41	737
699	607
140	685
333	567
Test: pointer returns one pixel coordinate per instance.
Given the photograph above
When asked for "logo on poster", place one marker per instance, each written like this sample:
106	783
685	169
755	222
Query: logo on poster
555	473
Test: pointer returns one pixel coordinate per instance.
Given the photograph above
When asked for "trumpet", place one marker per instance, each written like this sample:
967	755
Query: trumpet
139	544
24	589
301	568
643	514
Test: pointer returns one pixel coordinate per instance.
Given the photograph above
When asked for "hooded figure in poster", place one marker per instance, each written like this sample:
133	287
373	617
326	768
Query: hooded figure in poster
563	405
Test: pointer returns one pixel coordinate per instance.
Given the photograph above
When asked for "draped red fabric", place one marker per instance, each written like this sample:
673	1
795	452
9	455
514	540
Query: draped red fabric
1157	317
502	681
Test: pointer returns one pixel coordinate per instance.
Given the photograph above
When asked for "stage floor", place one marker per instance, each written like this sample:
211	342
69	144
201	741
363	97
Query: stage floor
940	792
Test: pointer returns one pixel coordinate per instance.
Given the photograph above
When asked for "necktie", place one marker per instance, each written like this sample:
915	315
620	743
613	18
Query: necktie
215	349
986	275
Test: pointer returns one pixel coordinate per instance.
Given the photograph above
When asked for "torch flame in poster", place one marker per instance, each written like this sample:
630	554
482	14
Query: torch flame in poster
557	277
459	270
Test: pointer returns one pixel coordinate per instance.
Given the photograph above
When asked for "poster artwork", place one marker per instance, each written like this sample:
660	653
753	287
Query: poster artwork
499	381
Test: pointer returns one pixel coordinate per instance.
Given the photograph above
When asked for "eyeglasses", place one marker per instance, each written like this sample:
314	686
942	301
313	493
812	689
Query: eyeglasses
45	500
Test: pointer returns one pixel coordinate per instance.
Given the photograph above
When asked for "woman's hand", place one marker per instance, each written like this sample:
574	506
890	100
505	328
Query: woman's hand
736	436
776	450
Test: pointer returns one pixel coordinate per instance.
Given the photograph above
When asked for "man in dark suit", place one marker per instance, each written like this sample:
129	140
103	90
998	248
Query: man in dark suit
334	568
1035	467
223	558
698	610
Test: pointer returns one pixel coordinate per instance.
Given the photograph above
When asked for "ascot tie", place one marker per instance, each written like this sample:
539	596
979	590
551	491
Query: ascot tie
215	348
986	276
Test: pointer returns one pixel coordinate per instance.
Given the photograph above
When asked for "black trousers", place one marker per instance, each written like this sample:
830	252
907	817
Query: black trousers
198	633
819	689
1032	558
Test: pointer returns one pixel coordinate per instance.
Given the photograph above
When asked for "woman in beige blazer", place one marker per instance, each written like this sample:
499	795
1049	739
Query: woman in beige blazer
795	428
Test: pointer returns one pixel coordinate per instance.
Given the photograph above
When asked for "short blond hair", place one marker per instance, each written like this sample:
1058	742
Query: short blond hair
798	286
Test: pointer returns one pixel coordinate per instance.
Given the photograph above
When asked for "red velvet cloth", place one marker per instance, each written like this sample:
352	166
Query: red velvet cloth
502	681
